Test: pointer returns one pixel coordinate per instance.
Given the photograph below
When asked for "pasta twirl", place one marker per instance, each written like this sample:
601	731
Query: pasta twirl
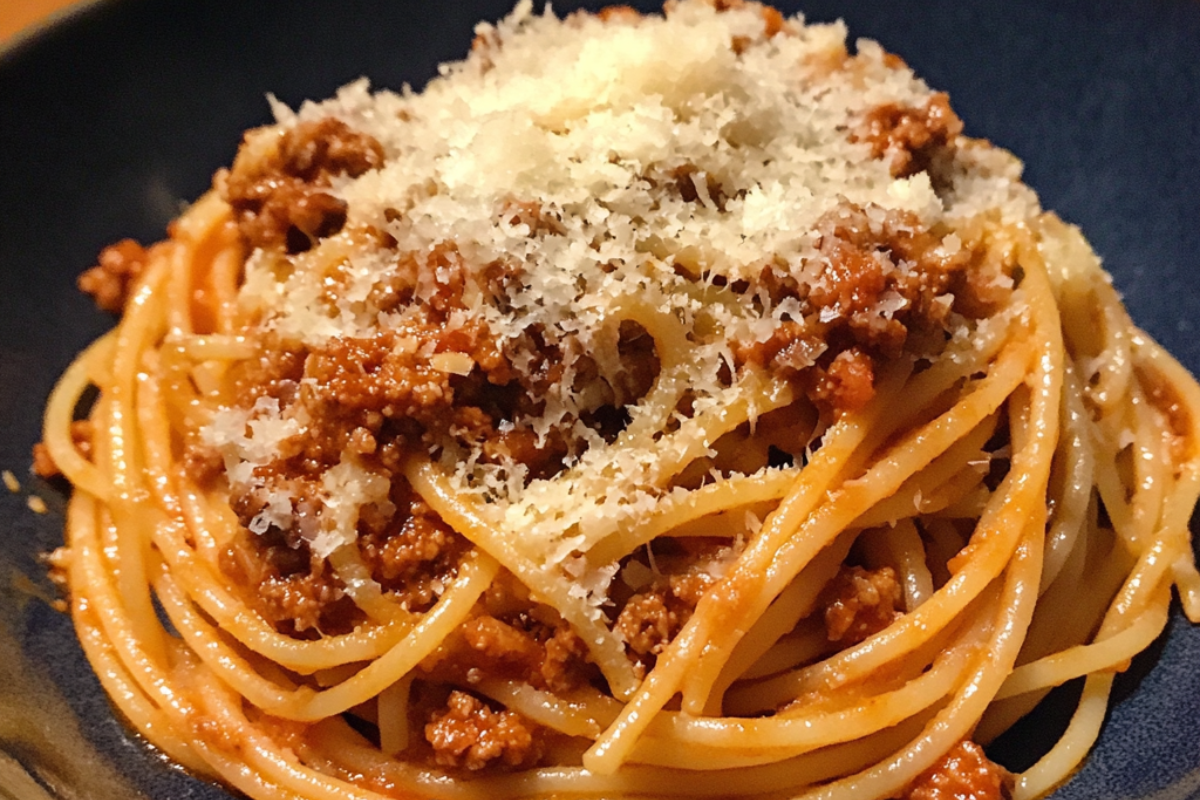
651	407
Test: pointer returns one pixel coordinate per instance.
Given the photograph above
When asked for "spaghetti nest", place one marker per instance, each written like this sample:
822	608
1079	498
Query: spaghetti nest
495	442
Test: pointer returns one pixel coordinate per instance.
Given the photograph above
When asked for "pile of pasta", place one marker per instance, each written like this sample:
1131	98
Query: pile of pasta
1030	488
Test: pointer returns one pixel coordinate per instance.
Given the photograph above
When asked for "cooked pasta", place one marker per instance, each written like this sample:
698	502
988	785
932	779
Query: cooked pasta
651	407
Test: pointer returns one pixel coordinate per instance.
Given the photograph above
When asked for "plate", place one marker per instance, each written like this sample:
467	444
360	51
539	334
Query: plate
120	112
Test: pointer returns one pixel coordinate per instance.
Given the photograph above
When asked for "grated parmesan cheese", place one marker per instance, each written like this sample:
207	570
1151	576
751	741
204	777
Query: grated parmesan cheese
625	172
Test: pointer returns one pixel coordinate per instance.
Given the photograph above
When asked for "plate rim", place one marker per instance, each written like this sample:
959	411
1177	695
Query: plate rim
33	33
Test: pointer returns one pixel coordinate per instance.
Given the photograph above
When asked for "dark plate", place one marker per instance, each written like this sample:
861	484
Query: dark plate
115	115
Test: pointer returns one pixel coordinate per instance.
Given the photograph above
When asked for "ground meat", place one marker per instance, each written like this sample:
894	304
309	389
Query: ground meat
964	773
647	623
278	578
372	396
469	735
374	374
652	617
274	371
778	439
885	282
435	378
315	151
381	398
620	13
501	643
859	603
911	137
565	665
441	279
773	22
402	371
410	551
276	194
603	398
300	604
513	638
849	382
413	554
792	347
884	276
111	281
275	571
43	465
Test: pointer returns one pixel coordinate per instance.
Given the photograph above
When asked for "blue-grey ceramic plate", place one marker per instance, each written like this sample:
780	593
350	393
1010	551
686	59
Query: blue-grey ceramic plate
122	110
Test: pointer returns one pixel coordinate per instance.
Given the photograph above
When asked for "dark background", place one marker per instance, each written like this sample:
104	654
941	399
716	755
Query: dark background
112	119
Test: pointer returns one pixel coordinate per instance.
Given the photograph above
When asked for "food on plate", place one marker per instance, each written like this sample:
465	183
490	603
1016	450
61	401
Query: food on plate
652	406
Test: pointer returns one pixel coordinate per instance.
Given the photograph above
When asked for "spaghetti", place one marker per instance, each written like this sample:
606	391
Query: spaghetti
625	415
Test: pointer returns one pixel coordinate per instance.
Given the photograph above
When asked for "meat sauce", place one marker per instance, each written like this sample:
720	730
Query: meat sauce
374	398
468	734
859	603
964	773
278	198
887	283
911	138
43	466
112	279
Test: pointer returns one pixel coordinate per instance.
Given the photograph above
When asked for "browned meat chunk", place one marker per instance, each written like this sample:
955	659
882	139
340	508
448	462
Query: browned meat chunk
111	281
81	435
654	616
469	735
277	197
964	773
859	603
911	137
